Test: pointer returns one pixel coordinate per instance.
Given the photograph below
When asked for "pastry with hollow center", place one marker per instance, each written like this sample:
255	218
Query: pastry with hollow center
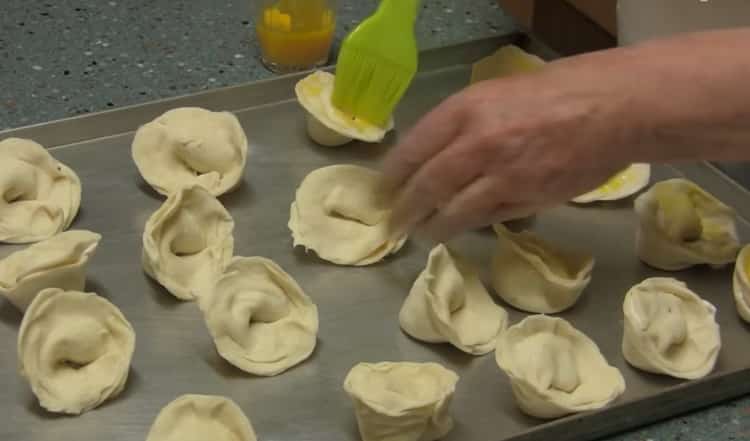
670	330
75	349
404	401
191	146
342	213
741	284
259	317
448	303
201	418
555	369
681	225
188	242
57	262
39	196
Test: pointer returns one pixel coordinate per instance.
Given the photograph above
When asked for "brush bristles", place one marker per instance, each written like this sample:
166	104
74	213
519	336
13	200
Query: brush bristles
369	86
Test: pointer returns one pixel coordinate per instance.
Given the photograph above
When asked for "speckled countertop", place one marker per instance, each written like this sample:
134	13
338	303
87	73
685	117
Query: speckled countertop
60	58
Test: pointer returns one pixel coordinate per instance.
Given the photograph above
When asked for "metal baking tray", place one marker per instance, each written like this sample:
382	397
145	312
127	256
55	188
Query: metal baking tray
358	306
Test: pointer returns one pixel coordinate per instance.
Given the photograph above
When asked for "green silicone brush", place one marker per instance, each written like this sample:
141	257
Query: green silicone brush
377	61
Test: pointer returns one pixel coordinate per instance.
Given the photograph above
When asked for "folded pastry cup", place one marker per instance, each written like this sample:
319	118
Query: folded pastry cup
342	213
57	262
741	284
536	276
75	349
259	317
188	242
39	196
201	417
556	370
191	146
411	400
670	330
448	303
681	225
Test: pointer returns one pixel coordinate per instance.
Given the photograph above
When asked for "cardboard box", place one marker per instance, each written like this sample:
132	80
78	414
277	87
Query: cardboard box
568	26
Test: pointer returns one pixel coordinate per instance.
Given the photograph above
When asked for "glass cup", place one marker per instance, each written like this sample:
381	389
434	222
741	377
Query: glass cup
295	35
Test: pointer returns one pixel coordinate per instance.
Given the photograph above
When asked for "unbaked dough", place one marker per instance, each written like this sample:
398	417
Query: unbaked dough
342	213
188	242
39	196
741	284
201	418
259	317
326	124
670	330
190	145
682	225
536	276
620	186
401	401
555	369
57	262
448	303
74	348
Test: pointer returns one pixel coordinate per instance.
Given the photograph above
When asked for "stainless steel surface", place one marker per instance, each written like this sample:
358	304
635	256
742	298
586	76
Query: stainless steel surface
358	306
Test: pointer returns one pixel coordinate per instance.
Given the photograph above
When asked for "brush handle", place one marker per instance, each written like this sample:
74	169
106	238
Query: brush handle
401	11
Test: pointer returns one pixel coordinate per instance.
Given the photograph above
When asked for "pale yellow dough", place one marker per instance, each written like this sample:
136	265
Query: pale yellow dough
188	242
201	418
401	401
39	196
448	303
191	146
681	225
57	262
620	186
259	317
741	284
74	348
537	276
326	124
556	370
342	213
670	330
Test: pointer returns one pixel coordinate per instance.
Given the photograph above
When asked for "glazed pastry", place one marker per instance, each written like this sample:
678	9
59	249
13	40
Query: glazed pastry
326	124
40	195
191	146
401	401
620	186
670	330
741	284
74	348
556	370
58	262
188	242
536	276
342	214
201	417
682	225
259	317
448	303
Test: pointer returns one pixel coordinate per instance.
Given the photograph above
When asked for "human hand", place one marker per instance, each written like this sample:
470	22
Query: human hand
504	149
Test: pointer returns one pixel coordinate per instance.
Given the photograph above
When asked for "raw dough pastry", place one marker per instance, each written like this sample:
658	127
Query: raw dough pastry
326	124
259	317
681	225
401	401
670	330
58	262
537	276
625	183
555	369
188	146
40	196
448	303
341	213
74	348
742	284
201	418
188	242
